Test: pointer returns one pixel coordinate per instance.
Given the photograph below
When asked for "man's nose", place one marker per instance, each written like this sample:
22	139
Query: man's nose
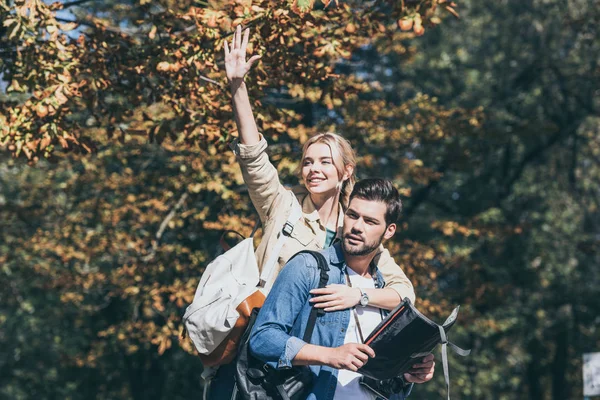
357	226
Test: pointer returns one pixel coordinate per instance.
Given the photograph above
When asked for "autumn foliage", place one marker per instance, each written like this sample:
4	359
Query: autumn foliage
73	77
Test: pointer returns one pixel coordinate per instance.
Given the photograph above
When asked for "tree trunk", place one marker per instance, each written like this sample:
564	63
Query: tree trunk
559	364
535	350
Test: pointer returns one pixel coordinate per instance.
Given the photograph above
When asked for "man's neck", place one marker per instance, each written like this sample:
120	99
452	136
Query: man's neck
360	264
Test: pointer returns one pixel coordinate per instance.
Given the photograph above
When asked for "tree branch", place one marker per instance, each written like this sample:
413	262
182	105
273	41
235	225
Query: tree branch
74	3
163	226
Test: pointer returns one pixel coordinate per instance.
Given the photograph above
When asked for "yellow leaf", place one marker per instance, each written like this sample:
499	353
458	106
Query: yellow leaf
301	7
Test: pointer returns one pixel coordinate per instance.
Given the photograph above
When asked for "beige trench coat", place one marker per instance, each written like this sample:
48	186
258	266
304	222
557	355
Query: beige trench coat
273	202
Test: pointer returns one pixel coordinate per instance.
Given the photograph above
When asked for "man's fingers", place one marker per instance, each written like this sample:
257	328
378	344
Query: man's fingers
366	349
424	375
363	357
412	379
427	358
426	365
352	367
357	363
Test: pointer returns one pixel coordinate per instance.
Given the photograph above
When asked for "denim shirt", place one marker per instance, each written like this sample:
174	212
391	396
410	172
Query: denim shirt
276	335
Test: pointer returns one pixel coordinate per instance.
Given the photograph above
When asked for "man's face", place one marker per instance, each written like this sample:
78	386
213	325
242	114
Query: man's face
365	227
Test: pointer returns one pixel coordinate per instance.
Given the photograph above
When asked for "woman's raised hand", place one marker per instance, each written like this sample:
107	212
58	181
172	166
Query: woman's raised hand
236	65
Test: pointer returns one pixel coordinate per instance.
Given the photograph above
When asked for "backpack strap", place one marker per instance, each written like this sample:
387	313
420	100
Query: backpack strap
288	227
457	350
323	279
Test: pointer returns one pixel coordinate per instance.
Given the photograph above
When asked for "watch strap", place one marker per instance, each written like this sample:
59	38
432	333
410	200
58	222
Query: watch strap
363	295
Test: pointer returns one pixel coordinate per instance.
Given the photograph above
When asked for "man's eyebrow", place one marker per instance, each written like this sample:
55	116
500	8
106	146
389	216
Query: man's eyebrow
365	217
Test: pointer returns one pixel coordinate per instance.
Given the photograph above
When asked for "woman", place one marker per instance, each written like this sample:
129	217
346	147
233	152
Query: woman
327	170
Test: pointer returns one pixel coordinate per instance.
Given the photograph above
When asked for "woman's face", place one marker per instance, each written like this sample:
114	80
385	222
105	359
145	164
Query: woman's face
318	171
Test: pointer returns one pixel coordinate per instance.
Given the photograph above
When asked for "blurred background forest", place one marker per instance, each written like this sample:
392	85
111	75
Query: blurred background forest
116	179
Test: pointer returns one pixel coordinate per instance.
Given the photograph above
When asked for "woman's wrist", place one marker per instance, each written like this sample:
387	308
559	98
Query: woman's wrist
237	84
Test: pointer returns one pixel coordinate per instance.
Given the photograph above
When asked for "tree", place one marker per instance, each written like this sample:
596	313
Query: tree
488	125
105	241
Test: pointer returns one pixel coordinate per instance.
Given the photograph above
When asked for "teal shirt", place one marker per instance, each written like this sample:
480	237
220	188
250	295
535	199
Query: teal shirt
329	238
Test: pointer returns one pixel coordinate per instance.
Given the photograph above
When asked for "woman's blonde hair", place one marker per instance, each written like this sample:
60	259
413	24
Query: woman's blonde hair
343	158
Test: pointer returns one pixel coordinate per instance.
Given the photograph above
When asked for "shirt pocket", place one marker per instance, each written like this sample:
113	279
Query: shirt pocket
302	238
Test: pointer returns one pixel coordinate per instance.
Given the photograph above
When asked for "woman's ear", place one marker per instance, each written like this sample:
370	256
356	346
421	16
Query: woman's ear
348	173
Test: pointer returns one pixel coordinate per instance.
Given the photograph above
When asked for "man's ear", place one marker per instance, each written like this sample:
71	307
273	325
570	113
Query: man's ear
389	231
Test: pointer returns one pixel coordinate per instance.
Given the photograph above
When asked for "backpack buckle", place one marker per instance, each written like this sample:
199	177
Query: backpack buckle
288	228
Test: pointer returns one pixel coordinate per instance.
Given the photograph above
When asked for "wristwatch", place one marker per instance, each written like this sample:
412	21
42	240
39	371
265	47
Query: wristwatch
364	298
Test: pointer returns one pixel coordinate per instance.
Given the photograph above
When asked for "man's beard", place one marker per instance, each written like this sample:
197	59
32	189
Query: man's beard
361	249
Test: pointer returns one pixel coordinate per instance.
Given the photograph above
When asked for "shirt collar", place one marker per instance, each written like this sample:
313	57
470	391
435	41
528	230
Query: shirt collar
336	255
312	215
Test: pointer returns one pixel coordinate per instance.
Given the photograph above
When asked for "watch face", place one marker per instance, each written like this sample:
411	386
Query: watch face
364	300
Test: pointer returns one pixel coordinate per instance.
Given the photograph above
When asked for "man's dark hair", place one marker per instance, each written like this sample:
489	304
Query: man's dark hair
377	189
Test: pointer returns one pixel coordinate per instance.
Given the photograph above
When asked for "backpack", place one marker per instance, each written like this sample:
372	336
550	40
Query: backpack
227	293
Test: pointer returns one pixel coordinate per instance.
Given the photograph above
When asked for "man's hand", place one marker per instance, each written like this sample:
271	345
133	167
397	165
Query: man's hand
236	65
350	356
421	372
335	297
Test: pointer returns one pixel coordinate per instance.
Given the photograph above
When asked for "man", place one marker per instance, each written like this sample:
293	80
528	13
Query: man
336	350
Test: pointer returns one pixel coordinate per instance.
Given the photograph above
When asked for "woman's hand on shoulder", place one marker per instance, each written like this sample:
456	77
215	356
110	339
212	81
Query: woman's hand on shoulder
335	297
236	65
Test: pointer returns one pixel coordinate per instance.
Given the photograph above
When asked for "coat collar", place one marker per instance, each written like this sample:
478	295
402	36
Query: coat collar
310	210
